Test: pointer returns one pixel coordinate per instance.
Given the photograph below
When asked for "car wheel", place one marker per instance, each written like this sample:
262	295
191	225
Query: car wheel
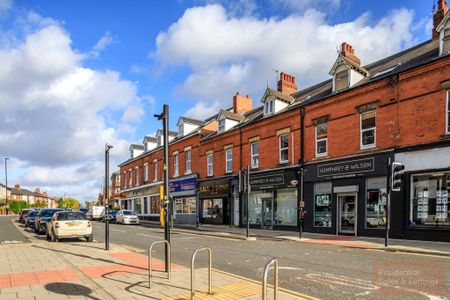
47	237
35	230
53	238
90	238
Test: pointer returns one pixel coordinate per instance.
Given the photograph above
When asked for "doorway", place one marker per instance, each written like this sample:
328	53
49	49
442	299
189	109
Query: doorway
347	213
267	213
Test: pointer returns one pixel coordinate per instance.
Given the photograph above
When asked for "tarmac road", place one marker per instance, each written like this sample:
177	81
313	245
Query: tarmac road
323	271
9	233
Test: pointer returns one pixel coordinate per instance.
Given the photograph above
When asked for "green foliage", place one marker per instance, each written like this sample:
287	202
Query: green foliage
60	203
71	203
17	206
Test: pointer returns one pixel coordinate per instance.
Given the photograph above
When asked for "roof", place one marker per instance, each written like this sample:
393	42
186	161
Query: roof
160	131
21	191
394	64
190	120
231	116
271	92
149	138
137	146
349	63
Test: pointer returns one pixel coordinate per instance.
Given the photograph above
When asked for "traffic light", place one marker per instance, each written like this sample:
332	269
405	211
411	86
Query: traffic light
242	181
397	176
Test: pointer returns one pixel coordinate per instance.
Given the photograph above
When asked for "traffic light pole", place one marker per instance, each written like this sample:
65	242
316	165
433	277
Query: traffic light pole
165	117
388	203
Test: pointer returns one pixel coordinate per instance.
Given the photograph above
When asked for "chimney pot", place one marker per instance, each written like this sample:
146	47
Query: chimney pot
286	84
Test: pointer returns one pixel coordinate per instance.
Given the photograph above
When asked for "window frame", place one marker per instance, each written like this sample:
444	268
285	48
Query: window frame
145	172
321	140
176	163
269	107
137	176
188	162
364	130
229	150
447	112
221	122
253	155
155	170
210	162
130	177
280	150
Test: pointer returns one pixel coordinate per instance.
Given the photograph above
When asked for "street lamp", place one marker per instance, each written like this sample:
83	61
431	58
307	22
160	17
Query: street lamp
6	182
106	195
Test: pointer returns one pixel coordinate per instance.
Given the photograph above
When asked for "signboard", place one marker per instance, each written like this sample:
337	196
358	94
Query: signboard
220	188
272	180
182	184
347	168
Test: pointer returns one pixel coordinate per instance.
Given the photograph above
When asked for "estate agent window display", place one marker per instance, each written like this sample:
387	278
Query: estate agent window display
430	197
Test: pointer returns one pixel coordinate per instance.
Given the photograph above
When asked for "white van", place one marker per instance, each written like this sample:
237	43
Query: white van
96	212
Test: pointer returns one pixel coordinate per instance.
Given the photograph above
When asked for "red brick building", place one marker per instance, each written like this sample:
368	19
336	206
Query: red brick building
339	134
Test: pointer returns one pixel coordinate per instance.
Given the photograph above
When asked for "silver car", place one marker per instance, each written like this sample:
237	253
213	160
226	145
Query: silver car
127	217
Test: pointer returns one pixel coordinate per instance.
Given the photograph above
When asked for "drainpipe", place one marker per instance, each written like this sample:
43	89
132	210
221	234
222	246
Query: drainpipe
241	201
302	170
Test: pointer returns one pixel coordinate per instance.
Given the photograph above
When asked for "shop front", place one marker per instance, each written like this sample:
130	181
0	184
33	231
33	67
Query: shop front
144	201
347	197
425	211
215	201
183	192
273	200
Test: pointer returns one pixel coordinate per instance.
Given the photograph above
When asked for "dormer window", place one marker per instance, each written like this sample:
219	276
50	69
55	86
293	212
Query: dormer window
341	81
181	130
269	107
445	43
221	125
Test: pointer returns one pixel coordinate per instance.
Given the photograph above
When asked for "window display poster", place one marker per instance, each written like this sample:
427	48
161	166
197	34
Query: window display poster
322	200
382	196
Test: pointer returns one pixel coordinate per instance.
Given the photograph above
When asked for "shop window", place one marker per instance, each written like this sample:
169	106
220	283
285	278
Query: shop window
321	139
175	164
285	207
229	160
137	206
185	205
146	172
376	203
213	208
155	171
322	205
154	205
255	155
188	161
284	148
137	176
429	200
255	206
210	164
368	130
448	113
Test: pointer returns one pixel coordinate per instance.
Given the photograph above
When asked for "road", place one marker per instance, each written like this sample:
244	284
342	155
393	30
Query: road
323	271
9	233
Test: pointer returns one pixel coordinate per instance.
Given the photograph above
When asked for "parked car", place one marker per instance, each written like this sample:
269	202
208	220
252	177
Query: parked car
29	220
69	224
23	214
112	213
127	217
84	211
96	212
41	219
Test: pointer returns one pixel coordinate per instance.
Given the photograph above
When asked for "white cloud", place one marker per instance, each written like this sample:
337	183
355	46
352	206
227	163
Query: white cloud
200	111
106	40
5	6
226	54
301	5
55	113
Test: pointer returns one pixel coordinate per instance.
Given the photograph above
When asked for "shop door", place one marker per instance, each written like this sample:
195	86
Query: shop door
267	213
347	213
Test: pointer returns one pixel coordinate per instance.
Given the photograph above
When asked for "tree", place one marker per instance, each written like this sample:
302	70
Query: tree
17	206
60	203
71	203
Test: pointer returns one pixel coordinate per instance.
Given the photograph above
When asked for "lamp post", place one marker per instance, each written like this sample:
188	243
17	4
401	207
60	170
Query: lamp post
106	198
6	182
164	116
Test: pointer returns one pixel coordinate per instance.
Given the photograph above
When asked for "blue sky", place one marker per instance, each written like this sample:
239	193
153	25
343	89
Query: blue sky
82	73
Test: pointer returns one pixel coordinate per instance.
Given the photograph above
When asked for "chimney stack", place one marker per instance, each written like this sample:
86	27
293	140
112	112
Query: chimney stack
438	16
286	84
349	53
17	186
37	190
241	104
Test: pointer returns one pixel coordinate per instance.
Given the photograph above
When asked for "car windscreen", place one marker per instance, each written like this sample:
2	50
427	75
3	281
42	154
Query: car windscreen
112	212
48	213
32	213
128	213
24	211
71	216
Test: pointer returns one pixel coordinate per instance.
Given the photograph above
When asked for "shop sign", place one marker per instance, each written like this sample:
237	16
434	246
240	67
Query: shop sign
267	180
215	189
348	168
182	184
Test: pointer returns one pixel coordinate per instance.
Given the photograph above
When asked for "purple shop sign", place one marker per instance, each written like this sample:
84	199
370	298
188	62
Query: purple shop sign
183	184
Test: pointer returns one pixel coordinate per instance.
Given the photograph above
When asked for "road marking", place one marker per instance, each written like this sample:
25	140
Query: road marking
11	242
118	230
148	235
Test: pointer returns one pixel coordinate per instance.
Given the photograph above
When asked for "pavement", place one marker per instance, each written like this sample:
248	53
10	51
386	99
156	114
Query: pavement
75	269
394	245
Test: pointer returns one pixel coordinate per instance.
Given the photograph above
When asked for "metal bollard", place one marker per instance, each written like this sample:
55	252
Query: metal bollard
193	271
275	279
150	261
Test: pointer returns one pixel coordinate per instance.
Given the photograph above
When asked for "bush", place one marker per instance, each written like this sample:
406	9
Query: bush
17	206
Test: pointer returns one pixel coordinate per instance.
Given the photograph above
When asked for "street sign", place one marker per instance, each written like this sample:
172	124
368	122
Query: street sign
302	204
294	182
